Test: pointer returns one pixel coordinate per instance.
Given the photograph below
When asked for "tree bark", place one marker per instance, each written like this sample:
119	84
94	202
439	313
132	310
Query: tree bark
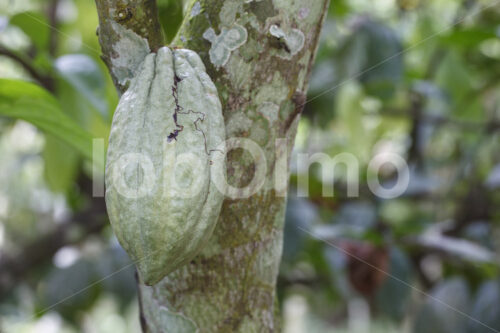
128	30
262	80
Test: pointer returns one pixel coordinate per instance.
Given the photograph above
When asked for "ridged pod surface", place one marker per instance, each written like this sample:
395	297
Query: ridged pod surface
166	139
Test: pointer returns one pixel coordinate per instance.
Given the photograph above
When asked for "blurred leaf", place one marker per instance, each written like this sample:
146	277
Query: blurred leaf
122	284
323	78
456	247
455	79
493	180
339	8
35	26
393	297
360	214
337	263
372	54
330	231
75	288
349	109
421	183
354	220
86	77
351	57
29	102
300	213
80	109
61	164
408	4
468	37
398	213
171	16
486	308
4	22
480	232
69	290
428	89
443	310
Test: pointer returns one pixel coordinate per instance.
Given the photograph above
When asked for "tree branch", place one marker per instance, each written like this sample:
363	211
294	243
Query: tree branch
262	82
128	31
259	79
45	80
53	22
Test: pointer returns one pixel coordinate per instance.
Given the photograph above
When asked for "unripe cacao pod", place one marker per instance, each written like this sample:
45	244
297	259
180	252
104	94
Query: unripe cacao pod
165	142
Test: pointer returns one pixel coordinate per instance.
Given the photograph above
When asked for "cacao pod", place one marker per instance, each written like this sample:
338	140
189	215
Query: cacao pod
166	133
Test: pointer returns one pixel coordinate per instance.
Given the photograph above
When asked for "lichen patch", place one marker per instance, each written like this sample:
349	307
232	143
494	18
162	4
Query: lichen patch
304	13
293	40
196	10
224	43
131	49
270	111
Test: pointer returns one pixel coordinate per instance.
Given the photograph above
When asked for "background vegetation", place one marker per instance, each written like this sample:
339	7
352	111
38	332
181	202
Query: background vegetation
416	77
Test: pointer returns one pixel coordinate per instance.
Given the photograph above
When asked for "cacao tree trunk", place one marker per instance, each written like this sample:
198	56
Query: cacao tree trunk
259	53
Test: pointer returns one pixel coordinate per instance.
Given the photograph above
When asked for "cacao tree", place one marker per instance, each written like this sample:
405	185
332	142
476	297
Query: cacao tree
259	54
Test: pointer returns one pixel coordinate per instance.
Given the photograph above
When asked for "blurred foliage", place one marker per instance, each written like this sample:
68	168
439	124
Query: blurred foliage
411	77
419	79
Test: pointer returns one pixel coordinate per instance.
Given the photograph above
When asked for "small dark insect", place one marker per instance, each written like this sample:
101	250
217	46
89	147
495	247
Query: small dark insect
173	135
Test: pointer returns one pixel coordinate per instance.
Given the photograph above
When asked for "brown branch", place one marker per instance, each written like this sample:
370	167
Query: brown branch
415	153
299	100
46	81
53	22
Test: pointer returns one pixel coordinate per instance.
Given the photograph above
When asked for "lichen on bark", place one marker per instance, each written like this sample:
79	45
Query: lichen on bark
128	30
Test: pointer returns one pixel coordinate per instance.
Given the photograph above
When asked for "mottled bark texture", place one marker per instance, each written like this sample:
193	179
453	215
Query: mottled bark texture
128	30
259	53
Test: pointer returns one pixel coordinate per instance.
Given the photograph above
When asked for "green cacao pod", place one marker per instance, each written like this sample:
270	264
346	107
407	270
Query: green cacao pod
166	138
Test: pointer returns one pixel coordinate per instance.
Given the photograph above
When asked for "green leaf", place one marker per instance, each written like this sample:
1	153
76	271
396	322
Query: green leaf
29	102
486	308
61	164
456	78
171	16
300	213
35	26
85	76
372	54
467	37
444	311
62	289
393	297
339	8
